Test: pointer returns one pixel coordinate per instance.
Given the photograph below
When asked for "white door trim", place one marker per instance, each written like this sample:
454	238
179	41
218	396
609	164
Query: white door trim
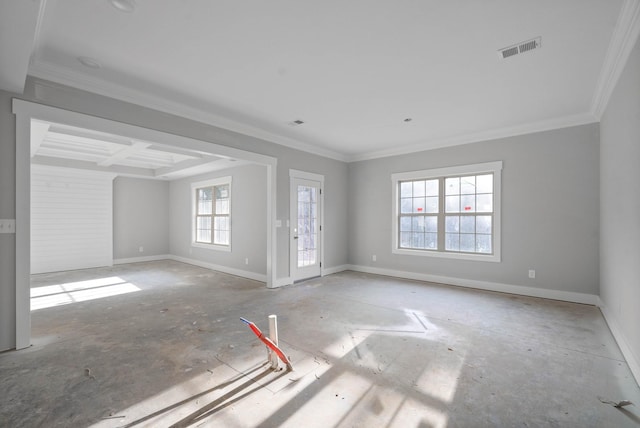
294	173
25	111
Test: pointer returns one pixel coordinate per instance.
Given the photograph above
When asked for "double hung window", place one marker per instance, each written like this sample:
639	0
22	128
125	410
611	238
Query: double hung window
448	212
212	213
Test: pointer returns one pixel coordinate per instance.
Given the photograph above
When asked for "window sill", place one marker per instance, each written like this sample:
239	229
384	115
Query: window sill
495	258
225	248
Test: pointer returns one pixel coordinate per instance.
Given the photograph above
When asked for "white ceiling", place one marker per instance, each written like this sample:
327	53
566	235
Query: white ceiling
353	71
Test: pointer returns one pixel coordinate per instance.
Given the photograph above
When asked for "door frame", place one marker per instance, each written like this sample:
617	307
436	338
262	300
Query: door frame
25	111
293	212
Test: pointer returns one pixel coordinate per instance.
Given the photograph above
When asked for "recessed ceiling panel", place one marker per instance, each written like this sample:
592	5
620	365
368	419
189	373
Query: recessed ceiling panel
66	146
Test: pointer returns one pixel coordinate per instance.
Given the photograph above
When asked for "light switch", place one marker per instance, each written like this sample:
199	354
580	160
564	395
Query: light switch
7	225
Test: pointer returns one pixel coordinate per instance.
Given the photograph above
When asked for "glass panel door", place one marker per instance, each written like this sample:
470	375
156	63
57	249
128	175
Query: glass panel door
305	229
307	225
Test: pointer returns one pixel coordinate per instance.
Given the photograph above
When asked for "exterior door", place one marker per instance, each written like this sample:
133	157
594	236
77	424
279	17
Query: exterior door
306	199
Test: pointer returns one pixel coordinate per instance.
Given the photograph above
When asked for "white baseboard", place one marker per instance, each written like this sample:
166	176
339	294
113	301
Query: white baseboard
632	360
281	282
232	271
335	269
141	259
567	296
287	280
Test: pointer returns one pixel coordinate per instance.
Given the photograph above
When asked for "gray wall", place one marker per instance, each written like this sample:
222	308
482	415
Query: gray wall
549	210
620	206
140	217
335	225
336	246
334	171
248	220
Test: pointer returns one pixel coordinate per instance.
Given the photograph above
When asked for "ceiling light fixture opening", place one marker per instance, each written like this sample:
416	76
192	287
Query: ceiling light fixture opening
89	62
127	6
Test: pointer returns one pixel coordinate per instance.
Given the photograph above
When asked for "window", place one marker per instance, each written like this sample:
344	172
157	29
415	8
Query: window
448	212
212	213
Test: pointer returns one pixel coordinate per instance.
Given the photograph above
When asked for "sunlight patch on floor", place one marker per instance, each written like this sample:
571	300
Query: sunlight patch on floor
362	378
182	400
439	378
73	292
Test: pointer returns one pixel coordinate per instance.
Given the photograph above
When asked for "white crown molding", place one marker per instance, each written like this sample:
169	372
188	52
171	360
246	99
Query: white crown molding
38	30
20	21
63	76
476	137
624	38
66	77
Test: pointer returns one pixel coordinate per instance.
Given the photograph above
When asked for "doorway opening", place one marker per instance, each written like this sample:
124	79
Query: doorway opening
28	113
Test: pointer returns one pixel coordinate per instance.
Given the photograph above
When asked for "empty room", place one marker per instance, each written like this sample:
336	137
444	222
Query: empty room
319	214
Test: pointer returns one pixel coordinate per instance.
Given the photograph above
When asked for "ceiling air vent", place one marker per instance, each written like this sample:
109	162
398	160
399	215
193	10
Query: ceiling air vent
519	48
296	122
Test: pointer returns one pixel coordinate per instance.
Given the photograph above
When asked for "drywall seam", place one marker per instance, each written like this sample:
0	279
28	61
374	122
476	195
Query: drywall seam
567	296
623	344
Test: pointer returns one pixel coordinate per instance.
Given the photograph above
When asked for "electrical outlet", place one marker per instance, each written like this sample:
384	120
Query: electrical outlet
374	258
141	249
532	273
246	261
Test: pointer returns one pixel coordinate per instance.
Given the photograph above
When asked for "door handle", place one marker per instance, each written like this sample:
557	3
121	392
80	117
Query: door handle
295	237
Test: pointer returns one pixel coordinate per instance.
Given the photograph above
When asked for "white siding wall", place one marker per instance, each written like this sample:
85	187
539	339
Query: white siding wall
71	219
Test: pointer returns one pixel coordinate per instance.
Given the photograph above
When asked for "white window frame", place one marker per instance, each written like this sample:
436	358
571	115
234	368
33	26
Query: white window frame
210	183
474	169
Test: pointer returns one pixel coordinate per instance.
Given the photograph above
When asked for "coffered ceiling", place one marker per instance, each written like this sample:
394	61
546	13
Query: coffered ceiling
69	147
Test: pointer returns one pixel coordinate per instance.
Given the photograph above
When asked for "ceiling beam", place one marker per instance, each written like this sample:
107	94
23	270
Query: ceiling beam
179	151
180	167
124	153
64	132
129	171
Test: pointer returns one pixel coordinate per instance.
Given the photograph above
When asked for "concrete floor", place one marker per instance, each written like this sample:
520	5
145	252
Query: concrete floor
368	351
